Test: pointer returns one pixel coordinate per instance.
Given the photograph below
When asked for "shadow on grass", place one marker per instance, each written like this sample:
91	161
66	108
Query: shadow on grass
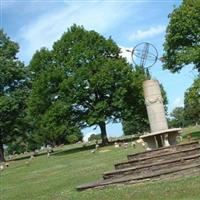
91	146
26	157
61	152
73	150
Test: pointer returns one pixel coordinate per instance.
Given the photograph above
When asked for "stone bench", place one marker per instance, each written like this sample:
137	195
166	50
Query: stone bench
161	138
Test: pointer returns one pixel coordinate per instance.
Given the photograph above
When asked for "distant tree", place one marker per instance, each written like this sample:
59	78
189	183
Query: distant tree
74	137
177	118
192	103
13	92
182	39
94	137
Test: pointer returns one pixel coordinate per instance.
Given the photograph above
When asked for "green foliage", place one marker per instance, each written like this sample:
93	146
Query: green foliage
17	146
190	114
177	119
56	125
74	137
53	118
135	118
164	96
192	103
135	125
41	61
13	92
183	37
94	137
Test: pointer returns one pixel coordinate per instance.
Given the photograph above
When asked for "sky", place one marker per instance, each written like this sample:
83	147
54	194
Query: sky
39	23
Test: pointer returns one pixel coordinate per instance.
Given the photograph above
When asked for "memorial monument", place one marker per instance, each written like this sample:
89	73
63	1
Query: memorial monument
158	163
145	55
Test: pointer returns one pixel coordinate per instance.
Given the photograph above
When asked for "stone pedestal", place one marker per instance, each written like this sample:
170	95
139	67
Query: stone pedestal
160	135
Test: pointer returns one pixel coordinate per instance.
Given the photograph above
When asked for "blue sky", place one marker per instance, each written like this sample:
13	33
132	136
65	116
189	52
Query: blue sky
34	24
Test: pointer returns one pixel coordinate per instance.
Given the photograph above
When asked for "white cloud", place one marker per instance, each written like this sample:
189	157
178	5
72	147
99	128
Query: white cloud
148	33
126	53
178	102
46	29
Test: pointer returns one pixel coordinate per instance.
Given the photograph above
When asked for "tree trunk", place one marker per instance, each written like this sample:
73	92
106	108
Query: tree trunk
2	158
104	138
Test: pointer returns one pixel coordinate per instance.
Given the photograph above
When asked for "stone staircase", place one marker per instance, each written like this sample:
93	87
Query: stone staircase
163	163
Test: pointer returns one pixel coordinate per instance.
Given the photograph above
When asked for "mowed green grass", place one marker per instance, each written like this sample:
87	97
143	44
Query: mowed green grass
193	131
56	178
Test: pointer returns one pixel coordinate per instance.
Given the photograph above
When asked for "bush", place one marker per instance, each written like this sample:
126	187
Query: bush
94	137
73	138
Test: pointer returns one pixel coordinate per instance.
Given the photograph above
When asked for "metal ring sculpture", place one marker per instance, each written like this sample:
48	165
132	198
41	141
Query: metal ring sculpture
144	54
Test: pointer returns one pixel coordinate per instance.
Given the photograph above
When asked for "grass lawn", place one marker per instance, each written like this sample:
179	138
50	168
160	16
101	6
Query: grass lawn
194	131
56	178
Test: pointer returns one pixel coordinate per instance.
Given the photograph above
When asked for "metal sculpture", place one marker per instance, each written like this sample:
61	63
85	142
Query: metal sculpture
144	54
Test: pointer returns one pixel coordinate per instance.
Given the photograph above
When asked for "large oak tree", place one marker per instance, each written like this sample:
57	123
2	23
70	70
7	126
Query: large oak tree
85	71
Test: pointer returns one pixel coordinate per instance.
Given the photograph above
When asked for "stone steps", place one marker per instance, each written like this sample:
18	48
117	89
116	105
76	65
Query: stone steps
177	171
146	168
164	163
163	150
158	158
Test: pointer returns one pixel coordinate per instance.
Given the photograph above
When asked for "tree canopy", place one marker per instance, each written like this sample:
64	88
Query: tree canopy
135	120
177	117
13	92
182	41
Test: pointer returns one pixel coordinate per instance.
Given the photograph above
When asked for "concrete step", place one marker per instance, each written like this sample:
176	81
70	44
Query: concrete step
163	150
147	168
174	172
158	158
